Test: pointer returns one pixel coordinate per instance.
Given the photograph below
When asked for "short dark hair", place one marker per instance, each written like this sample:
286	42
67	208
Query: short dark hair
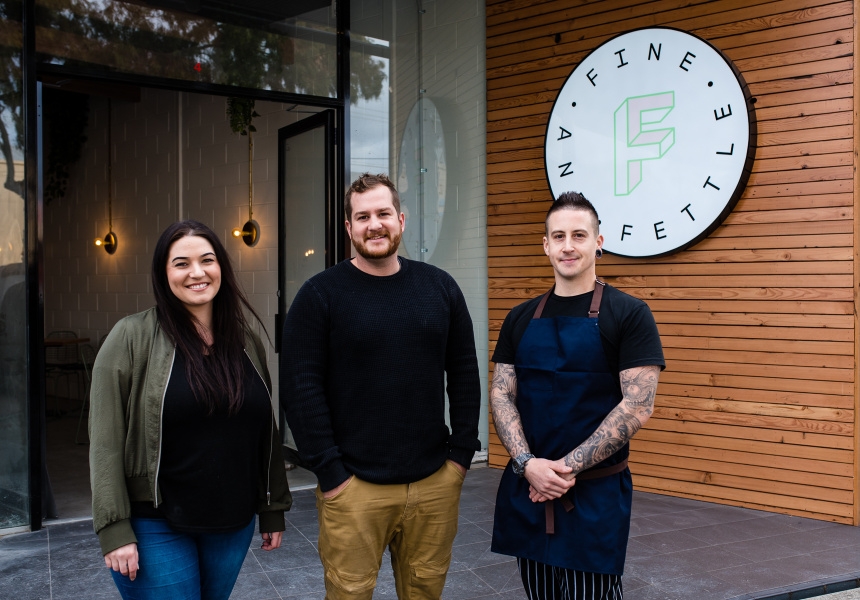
572	201
223	371
367	182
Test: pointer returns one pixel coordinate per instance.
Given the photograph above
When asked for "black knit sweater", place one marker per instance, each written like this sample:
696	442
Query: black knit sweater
362	374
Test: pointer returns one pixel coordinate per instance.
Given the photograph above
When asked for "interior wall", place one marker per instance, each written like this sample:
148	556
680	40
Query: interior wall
758	404
88	290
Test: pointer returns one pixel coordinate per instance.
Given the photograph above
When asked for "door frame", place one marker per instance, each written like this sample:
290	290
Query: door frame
334	227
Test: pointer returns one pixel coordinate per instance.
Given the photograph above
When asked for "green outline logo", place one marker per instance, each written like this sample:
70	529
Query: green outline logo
635	138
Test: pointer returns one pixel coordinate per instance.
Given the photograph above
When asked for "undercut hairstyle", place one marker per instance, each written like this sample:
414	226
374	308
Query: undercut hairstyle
365	183
572	201
211	371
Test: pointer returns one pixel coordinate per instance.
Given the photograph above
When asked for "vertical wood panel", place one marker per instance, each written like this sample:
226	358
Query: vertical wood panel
759	321
856	89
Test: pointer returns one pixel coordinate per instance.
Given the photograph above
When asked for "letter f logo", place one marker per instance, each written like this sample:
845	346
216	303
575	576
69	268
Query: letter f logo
635	142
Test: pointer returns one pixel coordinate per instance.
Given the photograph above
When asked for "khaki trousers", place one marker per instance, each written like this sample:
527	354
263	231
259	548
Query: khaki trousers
416	521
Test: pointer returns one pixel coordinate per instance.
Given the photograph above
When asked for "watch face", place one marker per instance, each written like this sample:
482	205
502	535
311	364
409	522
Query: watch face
656	128
422	179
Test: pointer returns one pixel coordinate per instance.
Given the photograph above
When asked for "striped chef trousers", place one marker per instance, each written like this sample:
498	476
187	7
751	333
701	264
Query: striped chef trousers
545	582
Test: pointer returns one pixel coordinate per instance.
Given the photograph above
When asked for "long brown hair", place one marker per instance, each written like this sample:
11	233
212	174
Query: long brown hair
219	369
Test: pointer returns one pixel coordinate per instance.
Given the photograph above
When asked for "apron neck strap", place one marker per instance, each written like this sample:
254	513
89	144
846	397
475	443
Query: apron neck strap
544	298
593	310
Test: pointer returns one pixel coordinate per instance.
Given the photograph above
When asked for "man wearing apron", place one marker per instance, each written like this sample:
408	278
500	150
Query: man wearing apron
575	378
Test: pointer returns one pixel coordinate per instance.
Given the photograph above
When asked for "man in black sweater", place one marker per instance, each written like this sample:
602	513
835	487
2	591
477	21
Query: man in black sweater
367	346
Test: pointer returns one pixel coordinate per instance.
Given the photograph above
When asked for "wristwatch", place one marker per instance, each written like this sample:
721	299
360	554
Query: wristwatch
519	463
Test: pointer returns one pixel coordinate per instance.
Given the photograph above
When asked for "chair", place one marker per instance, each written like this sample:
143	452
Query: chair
88	357
62	362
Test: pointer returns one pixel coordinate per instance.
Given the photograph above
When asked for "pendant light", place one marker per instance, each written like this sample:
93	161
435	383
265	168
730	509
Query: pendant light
110	241
250	231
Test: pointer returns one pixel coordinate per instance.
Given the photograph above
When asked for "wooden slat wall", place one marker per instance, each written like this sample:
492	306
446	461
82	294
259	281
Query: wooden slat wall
757	406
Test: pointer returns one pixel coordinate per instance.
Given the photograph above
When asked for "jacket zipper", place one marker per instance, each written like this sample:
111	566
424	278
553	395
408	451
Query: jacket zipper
271	433
160	428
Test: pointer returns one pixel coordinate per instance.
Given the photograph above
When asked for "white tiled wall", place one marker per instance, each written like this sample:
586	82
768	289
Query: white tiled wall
87	290
454	76
451	54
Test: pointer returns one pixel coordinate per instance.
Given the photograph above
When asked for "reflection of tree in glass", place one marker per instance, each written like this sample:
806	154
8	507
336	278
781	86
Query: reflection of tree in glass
134	38
297	55
11	90
366	77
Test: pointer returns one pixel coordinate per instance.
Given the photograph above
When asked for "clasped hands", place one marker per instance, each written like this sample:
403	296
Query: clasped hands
548	479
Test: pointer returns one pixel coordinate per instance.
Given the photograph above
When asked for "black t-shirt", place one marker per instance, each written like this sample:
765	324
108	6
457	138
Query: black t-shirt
210	464
627	328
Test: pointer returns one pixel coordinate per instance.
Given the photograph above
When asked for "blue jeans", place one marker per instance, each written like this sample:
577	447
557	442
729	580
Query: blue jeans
180	566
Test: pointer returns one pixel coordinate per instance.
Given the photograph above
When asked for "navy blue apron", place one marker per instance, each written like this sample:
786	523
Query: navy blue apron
564	391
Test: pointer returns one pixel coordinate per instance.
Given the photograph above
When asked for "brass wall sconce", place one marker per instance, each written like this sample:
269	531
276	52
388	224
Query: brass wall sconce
110	241
250	231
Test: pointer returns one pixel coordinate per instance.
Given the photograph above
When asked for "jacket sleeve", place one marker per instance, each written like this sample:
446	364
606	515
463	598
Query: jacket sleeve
464	385
108	428
303	369
273	491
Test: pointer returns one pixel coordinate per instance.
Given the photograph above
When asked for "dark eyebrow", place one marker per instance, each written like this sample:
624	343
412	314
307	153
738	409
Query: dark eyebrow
175	258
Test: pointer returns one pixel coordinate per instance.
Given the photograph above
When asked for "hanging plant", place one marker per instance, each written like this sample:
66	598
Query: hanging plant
241	112
66	116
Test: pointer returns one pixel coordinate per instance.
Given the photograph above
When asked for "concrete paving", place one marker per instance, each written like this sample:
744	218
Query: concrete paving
679	550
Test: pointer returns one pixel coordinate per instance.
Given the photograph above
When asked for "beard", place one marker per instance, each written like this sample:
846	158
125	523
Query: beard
393	244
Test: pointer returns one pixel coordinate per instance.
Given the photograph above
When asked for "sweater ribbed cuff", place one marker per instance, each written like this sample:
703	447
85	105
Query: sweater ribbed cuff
461	456
332	476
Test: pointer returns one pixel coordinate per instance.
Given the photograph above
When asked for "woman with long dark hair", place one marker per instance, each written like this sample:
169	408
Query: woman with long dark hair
184	450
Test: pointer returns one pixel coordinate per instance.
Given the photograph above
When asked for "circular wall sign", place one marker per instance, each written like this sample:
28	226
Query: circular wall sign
422	179
656	128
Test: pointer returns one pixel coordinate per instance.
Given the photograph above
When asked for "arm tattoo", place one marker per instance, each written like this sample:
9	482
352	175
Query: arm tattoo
506	417
639	387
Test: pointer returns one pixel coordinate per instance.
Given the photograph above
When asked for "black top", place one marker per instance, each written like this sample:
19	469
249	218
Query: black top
627	328
363	370
210	464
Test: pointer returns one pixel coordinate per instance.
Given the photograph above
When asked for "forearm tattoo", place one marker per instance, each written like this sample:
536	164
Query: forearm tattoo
639	387
506	417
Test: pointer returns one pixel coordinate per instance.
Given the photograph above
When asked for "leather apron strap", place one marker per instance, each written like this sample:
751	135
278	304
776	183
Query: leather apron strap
567	503
593	310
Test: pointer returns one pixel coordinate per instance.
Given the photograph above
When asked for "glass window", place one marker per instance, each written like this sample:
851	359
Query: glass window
426	128
280	46
14	502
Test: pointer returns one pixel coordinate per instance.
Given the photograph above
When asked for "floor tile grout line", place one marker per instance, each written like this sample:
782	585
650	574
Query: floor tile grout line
266	573
271	583
50	577
472	571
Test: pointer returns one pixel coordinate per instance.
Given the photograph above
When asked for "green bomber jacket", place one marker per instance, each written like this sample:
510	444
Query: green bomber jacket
129	380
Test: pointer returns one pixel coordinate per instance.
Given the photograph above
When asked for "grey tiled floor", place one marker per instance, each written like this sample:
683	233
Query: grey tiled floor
679	550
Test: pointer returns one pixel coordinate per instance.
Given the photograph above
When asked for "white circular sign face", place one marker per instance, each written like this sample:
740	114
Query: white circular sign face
655	127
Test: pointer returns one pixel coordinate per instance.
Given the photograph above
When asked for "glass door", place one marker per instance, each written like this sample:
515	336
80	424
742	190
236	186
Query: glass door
307	221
